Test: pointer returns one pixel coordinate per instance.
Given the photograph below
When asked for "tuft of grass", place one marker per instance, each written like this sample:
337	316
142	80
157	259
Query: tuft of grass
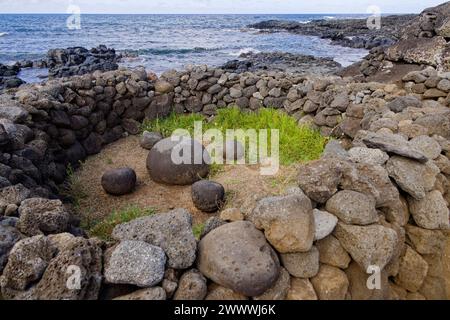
166	126
103	229
297	143
197	230
73	188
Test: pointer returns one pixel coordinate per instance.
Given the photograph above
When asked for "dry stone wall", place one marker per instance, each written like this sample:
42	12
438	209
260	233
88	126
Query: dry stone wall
378	197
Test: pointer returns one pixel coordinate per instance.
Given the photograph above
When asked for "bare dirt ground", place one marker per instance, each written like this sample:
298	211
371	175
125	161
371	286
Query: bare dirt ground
244	184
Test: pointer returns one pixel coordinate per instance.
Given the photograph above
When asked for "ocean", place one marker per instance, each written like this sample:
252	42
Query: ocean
162	42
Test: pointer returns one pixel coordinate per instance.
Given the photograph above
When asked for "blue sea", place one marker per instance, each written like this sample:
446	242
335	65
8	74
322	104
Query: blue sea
162	41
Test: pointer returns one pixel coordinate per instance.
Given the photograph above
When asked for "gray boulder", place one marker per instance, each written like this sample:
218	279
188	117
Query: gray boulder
237	256
395	144
412	177
170	231
353	207
368	245
288	222
178	161
137	263
42	216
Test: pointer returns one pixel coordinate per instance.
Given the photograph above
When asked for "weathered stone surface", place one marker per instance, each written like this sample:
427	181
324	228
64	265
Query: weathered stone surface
137	263
411	176
13	195
42	216
237	256
162	87
359	281
436	123
219	293
12	113
395	144
330	283
27	261
288	222
178	161
148	294
431	212
320	179
353	207
332	253
149	139
170	231
119	182
208	196
401	103
9	236
232	214
368	245
426	241
302	264
301	290
369	156
427	145
433	288
192	286
325	223
279	290
413	270
72	252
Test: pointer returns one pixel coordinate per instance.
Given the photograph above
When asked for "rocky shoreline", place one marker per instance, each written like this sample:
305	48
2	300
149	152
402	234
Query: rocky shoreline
344	32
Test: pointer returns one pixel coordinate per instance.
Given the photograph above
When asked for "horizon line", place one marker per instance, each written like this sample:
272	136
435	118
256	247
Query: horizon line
135	13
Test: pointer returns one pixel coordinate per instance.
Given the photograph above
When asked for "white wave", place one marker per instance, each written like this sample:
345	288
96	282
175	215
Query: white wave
244	51
304	22
329	17
3	34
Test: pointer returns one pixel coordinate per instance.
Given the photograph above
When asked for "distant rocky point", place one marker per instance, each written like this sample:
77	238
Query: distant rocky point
344	32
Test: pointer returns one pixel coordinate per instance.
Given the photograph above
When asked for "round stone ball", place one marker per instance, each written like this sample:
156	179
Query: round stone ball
119	182
233	150
179	161
208	196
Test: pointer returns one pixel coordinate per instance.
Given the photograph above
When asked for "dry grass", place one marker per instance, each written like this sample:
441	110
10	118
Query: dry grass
244	185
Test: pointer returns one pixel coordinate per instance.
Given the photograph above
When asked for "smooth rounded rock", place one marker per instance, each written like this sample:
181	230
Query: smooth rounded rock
178	161
119	182
208	196
237	256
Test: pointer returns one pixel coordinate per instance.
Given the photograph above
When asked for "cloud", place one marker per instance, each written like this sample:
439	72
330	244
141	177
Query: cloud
215	6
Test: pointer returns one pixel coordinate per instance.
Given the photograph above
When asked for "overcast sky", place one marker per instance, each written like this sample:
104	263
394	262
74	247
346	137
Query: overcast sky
215	6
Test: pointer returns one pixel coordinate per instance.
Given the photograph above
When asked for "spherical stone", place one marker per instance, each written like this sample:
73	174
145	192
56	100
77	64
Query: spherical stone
233	150
178	161
119	181
208	196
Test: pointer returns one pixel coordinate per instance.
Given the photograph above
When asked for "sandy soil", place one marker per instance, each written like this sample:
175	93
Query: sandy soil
244	184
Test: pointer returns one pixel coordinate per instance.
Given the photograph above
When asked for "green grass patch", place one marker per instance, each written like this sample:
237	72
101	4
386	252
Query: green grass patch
197	230
297	143
104	228
166	126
